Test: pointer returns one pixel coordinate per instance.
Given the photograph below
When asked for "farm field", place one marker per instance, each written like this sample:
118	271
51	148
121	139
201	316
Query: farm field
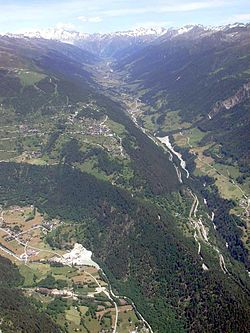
76	296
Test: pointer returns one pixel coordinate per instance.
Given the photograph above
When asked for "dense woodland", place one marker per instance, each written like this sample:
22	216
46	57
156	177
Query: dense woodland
146	258
104	216
17	312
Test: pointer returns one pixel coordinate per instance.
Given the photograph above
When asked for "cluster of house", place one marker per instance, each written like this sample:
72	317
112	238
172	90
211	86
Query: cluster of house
89	126
55	292
29	253
25	129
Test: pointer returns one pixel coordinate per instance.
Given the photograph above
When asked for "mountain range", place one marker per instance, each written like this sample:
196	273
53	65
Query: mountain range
99	42
136	145
107	44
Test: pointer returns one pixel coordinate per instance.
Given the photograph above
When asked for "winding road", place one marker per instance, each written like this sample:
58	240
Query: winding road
201	233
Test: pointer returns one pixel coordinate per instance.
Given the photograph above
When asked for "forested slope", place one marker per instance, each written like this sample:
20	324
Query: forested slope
17	313
175	294
76	155
191	73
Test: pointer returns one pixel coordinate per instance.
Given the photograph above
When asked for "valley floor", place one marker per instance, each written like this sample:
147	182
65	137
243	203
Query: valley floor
183	136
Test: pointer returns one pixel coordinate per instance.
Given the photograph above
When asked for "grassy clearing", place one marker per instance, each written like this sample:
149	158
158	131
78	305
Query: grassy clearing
116	127
180	140
28	274
36	161
127	321
206	165
218	70
29	78
93	325
73	315
173	122
7	145
6	156
227	189
195	136
149	122
89	167
247	71
246	186
190	137
228	170
64	270
83	309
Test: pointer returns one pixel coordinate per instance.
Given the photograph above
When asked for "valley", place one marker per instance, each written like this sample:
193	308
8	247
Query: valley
207	162
136	109
124	206
204	156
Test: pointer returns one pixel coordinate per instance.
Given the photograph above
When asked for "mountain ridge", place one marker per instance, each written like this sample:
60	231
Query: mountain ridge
72	36
120	43
72	150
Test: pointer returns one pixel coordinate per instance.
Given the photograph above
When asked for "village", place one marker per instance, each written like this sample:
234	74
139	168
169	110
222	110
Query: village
57	276
28	141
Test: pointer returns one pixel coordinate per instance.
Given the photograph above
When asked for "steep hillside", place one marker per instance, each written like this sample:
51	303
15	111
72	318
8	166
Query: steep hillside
17	313
51	95
70	150
194	85
150	260
194	73
195	69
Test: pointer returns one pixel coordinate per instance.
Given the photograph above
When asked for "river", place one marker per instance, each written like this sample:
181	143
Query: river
165	140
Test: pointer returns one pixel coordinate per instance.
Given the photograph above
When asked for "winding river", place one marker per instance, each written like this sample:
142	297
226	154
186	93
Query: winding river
165	140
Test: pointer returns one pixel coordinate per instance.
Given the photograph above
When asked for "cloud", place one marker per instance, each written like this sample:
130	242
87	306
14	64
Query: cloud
17	10
66	26
169	8
91	19
241	17
34	14
237	18
152	24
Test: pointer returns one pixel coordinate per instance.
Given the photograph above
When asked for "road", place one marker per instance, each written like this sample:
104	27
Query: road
202	233
131	302
25	259
110	292
28	246
106	292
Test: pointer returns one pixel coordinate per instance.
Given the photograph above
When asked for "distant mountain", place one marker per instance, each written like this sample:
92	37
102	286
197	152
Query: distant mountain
118	43
60	34
70	149
101	44
123	43
74	36
199	71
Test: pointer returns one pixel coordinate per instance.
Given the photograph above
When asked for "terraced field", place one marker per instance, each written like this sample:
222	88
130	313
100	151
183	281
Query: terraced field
77	297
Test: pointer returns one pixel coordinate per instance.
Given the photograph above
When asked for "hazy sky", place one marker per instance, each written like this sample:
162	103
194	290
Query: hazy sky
114	15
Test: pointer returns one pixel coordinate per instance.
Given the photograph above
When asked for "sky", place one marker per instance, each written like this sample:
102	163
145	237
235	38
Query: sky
118	15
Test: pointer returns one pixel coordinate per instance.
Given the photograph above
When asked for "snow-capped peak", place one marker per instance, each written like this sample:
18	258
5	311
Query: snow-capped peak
185	29
140	31
231	26
71	36
57	33
68	35
188	28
